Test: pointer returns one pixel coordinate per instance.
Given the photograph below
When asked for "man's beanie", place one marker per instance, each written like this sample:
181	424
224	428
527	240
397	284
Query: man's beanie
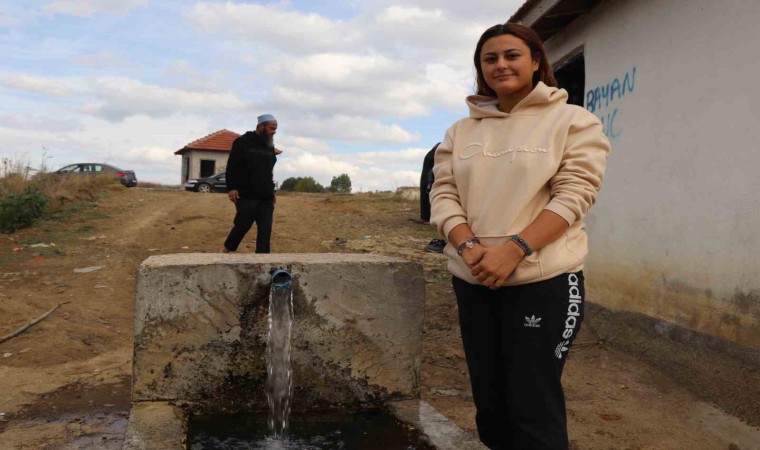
265	118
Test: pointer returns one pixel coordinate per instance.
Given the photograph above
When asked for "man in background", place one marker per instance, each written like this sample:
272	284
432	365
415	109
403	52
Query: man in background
426	183
250	184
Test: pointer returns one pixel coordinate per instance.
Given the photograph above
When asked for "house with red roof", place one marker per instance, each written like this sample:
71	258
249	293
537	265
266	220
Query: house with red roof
206	156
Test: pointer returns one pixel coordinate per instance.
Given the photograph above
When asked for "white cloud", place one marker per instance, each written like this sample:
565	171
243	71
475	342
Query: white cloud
489	11
366	85
151	155
431	35
351	129
27	122
294	145
275	25
403	61
87	8
349	84
7	20
36	84
412	156
321	167
100	60
118	98
364	177
409	14
350	72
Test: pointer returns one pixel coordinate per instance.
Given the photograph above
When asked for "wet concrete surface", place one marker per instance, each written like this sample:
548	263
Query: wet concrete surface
91	417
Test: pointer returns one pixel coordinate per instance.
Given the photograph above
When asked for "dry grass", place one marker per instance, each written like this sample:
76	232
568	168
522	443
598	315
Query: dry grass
25	199
166	187
60	190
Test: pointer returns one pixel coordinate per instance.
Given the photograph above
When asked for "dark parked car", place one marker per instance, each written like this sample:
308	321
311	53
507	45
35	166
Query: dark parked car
126	177
215	183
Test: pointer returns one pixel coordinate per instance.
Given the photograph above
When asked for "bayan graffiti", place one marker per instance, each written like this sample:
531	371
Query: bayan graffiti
599	99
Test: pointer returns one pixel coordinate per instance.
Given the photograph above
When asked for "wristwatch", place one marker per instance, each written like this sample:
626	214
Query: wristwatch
469	243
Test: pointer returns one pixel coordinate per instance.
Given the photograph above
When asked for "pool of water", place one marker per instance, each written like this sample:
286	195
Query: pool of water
374	430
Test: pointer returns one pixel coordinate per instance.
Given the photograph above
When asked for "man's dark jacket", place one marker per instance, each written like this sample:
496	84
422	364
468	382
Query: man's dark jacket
426	183
249	167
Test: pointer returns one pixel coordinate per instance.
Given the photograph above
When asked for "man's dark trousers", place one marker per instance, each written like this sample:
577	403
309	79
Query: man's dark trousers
250	210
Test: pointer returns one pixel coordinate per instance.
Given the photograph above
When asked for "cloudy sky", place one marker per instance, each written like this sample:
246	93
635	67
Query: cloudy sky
363	87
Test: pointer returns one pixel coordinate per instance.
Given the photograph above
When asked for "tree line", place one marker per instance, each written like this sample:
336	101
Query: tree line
341	183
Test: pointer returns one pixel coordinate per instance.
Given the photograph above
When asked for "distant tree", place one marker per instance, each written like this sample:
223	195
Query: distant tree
289	184
308	184
341	183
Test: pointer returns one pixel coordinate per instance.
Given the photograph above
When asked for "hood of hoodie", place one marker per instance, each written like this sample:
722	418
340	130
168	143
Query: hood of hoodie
539	100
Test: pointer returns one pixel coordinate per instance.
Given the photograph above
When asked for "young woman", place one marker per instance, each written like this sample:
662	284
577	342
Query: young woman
513	183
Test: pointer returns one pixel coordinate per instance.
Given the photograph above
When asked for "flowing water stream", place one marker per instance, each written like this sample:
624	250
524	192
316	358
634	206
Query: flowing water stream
279	385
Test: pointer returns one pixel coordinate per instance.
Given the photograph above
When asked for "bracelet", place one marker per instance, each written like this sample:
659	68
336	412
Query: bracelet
523	245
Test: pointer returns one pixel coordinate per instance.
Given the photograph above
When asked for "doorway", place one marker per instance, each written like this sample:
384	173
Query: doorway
570	73
207	167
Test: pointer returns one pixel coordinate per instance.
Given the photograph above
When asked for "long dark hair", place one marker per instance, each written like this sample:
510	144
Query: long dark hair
531	39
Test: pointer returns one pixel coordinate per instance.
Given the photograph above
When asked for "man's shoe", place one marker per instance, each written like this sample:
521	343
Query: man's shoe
435	246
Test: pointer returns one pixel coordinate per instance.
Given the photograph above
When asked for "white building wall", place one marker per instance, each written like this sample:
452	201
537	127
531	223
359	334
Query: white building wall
676	231
196	156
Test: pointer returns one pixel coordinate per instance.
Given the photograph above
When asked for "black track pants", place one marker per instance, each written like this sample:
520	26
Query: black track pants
249	211
516	340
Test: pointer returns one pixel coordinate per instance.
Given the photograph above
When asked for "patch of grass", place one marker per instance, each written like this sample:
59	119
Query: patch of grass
52	196
97	215
21	210
46	252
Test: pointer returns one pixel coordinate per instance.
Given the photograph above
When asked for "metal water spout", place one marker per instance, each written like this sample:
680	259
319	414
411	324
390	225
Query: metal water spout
281	279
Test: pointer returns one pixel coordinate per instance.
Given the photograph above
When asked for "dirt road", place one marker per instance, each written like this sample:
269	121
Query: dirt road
65	383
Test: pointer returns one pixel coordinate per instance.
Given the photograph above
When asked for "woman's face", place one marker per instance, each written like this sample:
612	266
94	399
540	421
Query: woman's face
507	65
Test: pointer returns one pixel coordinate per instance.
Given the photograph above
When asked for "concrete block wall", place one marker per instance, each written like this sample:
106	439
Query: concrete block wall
201	328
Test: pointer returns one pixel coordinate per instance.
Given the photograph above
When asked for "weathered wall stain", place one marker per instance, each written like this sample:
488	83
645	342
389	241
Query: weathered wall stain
650	291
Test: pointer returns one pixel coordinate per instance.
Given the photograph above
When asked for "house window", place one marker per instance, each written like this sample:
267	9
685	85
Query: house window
570	73
208	168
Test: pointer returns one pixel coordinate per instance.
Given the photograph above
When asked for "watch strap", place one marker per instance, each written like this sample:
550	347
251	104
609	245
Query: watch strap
468	243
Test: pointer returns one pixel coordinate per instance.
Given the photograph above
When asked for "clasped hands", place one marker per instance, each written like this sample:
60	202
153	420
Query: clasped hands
493	265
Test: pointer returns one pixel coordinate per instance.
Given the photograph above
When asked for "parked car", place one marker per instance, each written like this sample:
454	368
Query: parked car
215	183
126	177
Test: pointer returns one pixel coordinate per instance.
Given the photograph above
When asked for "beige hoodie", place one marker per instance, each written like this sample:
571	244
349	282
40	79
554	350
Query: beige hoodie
497	171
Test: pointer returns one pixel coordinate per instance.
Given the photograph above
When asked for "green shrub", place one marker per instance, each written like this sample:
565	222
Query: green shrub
308	184
301	184
341	183
289	184
21	210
